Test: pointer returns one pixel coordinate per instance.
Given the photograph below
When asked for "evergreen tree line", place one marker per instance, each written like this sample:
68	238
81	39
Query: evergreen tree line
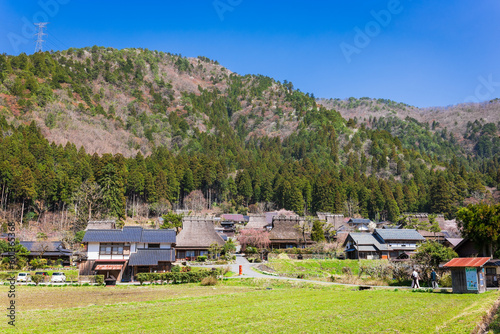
40	176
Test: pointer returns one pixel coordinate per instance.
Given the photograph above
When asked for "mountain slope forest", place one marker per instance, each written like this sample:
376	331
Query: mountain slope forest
97	132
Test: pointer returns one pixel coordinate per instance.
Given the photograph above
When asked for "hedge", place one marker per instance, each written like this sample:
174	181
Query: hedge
179	277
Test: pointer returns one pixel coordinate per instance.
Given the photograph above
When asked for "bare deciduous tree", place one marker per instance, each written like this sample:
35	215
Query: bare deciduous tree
195	201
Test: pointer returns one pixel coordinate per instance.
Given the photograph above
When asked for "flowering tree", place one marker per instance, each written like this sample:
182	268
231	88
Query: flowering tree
254	238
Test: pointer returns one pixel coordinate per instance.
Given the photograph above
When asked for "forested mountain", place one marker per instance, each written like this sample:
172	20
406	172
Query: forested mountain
475	126
99	132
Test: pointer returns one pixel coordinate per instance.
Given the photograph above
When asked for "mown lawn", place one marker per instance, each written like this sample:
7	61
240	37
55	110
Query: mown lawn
254	306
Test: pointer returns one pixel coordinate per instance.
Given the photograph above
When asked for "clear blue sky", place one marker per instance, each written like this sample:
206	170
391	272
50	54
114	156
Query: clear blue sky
424	53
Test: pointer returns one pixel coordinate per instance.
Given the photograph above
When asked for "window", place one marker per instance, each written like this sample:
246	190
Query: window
153	246
108	249
491	271
105	250
190	253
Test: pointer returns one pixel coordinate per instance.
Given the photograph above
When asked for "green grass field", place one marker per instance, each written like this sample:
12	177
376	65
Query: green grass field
240	306
322	268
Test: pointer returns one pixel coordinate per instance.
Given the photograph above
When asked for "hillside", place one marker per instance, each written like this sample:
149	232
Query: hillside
125	101
99	132
465	121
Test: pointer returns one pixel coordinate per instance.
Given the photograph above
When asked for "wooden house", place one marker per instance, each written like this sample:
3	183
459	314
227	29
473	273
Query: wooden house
49	250
101	225
452	242
468	274
423	218
400	241
359	245
124	253
359	224
467	248
433	236
285	233
257	222
196	237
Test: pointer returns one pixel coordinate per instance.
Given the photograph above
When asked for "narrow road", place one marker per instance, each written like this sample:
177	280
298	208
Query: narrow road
246	268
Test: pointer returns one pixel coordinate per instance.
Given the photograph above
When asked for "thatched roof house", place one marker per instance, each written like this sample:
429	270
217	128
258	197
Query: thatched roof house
196	237
424	218
257	222
286	233
101	225
335	222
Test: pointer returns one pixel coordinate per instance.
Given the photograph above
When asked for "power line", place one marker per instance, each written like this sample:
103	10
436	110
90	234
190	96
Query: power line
40	34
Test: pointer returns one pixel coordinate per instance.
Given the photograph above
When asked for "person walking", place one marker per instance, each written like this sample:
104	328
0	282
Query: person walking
414	277
434	279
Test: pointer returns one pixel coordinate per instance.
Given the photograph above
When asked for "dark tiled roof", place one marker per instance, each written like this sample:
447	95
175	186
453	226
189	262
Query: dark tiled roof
48	246
130	234
399	234
369	248
158	236
151	257
367	239
359	221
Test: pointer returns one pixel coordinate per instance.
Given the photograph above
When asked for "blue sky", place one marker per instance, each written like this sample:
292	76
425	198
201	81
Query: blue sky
424	53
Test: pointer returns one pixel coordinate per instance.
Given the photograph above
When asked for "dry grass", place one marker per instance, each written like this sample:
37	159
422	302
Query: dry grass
43	297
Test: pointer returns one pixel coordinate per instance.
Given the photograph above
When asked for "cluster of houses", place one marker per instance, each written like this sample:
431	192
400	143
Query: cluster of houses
123	253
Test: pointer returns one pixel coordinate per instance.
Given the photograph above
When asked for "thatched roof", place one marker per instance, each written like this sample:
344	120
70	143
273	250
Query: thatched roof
198	233
257	222
423	217
101	225
336	221
285	229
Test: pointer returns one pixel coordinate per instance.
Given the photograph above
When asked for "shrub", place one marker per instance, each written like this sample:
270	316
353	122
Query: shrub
142	277
99	279
225	270
37	279
347	270
176	269
210	280
201	258
6	275
251	250
71	277
445	281
38	263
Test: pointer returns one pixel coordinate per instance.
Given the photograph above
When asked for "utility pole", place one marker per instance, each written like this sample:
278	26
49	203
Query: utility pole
40	34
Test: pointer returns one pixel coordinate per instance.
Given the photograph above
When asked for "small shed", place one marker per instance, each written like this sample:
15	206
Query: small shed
492	268
468	274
